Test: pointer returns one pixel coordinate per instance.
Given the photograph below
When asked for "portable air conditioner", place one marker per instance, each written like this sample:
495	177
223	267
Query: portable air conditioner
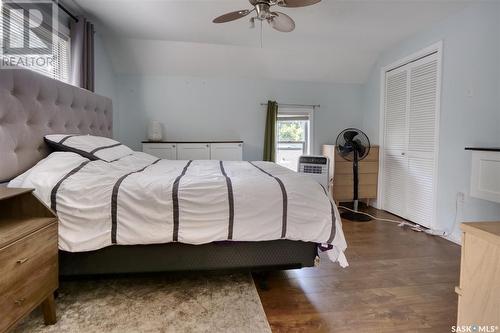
317	167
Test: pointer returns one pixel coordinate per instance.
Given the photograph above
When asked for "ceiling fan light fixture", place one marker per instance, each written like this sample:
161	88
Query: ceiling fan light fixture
279	21
262	10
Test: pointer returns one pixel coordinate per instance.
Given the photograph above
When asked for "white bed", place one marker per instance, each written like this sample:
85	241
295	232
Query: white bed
139	199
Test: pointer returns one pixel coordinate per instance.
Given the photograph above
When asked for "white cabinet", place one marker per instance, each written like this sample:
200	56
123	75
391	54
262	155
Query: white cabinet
167	151
224	151
193	151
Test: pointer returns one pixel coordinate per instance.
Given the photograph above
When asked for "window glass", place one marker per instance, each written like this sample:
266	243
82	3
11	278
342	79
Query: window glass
293	137
55	65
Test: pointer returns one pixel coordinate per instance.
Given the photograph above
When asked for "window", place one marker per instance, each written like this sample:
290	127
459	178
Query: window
294	136
55	65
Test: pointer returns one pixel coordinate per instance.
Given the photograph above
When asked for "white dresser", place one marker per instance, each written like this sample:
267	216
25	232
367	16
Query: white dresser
209	150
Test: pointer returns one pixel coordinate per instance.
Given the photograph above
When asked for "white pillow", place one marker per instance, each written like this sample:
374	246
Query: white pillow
89	146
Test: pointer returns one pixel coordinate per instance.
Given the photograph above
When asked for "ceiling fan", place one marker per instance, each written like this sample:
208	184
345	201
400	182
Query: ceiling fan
262	8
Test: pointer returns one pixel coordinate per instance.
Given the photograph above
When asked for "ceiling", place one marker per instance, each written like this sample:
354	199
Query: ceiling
334	41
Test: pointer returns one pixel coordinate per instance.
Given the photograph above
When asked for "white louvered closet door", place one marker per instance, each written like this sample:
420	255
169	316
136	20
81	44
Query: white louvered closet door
422	139
410	140
395	141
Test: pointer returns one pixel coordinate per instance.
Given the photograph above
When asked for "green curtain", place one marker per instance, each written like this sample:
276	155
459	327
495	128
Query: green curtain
270	134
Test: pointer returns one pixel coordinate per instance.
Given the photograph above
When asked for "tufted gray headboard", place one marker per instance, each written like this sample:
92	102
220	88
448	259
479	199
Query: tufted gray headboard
32	105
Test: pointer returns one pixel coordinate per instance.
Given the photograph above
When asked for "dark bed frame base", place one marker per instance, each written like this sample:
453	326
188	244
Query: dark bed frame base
254	256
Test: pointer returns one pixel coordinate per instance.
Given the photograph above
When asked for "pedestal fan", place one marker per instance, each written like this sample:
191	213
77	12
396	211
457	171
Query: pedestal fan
353	145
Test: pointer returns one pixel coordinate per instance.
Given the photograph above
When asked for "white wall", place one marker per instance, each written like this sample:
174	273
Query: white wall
226	109
471	62
105	78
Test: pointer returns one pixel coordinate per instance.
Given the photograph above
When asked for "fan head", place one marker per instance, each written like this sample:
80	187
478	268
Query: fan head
352	143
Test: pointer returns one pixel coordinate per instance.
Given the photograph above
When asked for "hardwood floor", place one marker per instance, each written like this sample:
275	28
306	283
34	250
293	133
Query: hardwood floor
398	281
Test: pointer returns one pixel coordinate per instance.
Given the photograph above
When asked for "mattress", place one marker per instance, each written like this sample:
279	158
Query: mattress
139	199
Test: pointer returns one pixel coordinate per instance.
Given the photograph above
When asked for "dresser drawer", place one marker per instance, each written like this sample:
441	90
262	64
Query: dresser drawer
364	179
345	168
29	269
166	151
347	192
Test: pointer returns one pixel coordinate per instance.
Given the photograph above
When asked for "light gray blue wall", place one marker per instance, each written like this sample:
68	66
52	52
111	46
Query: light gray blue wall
471	61
223	109
105	84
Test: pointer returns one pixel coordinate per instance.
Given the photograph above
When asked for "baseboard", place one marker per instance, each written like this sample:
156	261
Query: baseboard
375	204
453	238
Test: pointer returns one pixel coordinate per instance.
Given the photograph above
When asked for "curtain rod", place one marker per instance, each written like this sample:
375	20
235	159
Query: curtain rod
296	105
65	10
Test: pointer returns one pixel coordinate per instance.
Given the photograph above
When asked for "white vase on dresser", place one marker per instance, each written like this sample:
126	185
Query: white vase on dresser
155	131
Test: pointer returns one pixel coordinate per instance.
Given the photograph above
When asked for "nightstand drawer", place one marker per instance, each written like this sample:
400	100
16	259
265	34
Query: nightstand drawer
25	295
26	257
29	273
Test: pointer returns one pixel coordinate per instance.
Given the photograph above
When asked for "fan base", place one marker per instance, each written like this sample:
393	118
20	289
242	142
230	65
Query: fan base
355	217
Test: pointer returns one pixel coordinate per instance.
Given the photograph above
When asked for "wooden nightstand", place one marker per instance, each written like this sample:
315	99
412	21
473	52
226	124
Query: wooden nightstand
28	257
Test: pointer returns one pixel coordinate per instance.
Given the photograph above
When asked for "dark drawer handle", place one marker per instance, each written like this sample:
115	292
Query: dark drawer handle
20	301
22	261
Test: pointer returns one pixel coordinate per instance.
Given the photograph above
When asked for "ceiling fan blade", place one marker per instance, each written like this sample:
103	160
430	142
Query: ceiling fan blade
232	16
297	3
282	22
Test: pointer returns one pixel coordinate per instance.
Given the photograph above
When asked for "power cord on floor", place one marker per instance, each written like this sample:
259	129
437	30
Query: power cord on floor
400	223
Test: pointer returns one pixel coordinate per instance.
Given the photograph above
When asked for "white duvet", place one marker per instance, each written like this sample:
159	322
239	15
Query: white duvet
139	199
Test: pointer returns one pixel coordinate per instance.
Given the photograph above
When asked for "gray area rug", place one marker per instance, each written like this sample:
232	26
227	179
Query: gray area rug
178	303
